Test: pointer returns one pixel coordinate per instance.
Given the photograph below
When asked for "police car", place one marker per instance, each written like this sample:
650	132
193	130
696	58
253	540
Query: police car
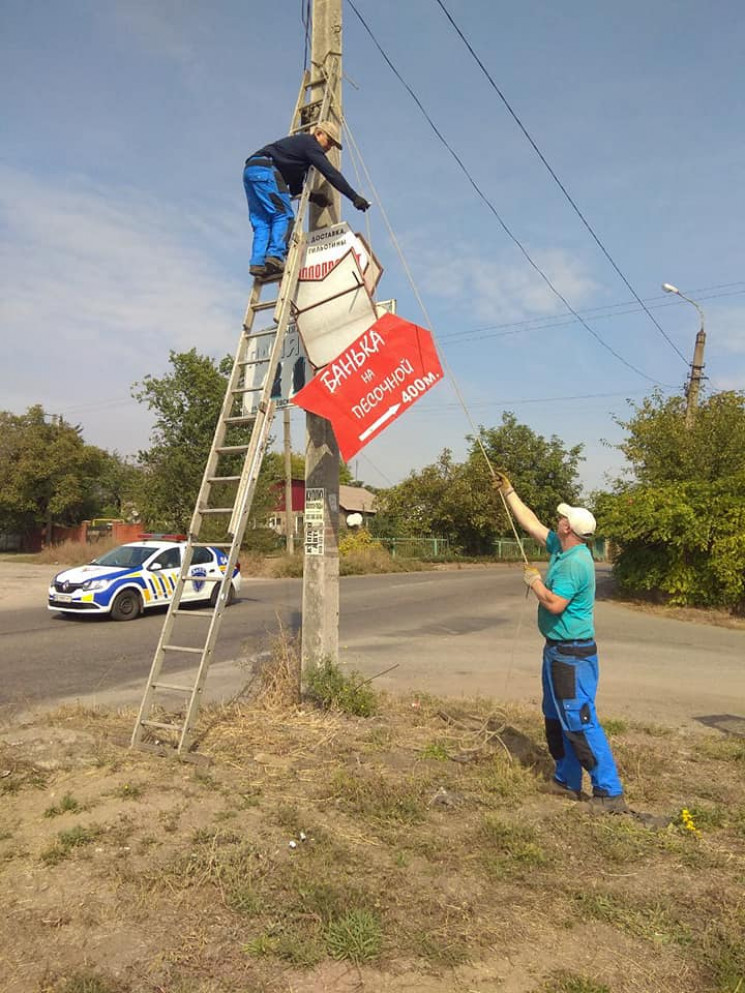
141	574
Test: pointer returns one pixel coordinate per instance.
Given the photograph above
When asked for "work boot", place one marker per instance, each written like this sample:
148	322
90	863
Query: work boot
608	805
557	788
258	271
274	265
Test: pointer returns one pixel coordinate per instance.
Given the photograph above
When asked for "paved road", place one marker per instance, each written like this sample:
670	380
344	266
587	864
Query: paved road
458	633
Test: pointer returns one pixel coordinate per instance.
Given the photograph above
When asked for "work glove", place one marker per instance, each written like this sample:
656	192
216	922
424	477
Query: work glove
501	482
360	203
320	200
531	575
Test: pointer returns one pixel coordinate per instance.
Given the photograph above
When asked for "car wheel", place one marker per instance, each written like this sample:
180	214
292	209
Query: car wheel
126	606
216	592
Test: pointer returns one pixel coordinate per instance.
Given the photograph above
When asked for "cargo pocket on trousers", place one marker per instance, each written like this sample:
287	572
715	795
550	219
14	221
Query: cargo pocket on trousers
563	680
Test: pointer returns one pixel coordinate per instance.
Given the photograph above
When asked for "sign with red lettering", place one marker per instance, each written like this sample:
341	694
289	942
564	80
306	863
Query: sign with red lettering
374	381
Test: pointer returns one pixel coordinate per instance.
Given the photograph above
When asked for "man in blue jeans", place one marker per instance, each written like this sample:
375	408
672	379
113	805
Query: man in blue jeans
275	174
566	601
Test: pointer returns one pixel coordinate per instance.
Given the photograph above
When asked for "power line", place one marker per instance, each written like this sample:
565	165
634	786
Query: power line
559	183
492	208
544	323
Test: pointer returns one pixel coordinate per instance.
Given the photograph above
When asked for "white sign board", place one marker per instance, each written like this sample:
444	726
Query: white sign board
292	372
333	311
326	246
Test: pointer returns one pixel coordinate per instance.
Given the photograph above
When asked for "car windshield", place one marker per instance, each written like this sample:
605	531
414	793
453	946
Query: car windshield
125	557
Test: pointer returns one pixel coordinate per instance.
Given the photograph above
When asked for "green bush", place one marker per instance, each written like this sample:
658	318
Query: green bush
684	542
327	686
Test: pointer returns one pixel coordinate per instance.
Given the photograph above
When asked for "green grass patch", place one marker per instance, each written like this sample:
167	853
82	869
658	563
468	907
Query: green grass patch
380	798
355	936
67	805
571	982
506	848
68	841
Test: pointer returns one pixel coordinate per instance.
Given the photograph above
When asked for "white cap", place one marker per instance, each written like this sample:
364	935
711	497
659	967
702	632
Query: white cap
580	520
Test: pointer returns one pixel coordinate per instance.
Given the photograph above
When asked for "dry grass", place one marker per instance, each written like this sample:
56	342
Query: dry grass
322	851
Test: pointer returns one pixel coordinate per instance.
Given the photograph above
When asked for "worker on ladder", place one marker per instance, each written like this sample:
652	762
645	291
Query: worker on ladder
276	173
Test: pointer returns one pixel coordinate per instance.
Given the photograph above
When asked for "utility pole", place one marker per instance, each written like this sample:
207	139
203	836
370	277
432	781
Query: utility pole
693	386
289	509
320	635
697	374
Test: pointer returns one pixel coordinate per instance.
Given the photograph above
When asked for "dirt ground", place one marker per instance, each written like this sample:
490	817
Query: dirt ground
410	850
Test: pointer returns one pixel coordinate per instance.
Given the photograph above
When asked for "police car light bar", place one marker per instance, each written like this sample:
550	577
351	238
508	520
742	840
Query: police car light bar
146	536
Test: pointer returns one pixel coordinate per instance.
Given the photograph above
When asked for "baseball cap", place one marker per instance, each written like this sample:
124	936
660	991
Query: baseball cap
331	129
580	520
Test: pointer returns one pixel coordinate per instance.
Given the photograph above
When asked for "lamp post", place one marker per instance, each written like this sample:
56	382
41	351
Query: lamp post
697	366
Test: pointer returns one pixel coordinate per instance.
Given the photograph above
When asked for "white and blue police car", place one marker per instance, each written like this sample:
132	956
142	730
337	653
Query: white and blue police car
134	577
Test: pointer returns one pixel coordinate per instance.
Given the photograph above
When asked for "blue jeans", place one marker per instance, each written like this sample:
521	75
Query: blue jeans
269	210
574	734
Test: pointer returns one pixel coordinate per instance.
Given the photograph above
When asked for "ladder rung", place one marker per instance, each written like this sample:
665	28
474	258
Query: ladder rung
216	510
212	544
238	420
171	686
262	333
162	727
182	648
223	479
232	449
264	305
201	614
202	579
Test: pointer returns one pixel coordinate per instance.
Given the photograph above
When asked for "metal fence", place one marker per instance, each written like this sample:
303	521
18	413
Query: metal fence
508	550
416	548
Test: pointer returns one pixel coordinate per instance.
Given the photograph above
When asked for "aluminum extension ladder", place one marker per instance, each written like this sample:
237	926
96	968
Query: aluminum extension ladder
187	640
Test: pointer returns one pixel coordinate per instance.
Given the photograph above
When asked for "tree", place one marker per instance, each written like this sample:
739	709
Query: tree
457	501
678	516
543	471
187	404
47	472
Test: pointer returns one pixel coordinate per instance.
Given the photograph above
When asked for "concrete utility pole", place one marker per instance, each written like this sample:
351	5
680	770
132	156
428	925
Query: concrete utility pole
289	510
693	387
320	636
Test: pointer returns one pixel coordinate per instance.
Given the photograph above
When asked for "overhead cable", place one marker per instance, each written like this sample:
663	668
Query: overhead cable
493	209
559	183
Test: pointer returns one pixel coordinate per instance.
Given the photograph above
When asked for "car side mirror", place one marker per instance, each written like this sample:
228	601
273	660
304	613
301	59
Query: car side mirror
155	567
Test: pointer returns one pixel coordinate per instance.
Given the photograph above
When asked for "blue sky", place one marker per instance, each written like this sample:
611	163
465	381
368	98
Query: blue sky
125	235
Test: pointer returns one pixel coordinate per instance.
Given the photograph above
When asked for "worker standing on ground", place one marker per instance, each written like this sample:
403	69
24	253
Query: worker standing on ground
275	174
566	599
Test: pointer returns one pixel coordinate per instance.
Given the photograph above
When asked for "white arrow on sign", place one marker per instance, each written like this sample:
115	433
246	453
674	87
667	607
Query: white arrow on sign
391	412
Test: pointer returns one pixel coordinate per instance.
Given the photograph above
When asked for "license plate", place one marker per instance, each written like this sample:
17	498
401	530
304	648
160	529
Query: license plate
63	598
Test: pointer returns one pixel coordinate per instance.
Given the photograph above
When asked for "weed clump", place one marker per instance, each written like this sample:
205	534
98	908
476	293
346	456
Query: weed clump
328	687
356	937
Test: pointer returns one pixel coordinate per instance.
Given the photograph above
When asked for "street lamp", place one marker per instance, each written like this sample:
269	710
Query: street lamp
697	366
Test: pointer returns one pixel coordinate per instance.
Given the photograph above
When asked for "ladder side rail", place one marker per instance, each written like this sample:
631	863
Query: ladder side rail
262	430
221	427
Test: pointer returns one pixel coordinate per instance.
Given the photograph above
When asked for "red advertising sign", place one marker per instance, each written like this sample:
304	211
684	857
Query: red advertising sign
373	381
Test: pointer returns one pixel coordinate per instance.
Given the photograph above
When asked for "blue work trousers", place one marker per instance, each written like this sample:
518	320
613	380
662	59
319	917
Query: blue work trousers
575	737
269	210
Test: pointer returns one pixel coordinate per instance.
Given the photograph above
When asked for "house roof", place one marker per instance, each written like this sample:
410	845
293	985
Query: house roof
356	499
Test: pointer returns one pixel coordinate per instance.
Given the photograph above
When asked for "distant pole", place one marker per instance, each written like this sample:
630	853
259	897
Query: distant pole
693	387
289	510
320	632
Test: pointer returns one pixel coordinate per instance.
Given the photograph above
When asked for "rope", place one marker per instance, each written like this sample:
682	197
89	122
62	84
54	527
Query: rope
479	733
415	290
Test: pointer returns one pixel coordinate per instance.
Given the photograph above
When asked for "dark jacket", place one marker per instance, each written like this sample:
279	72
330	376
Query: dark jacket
293	157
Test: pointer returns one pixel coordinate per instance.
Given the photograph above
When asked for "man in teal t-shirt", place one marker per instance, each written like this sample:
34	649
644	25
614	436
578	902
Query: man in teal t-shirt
566	600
